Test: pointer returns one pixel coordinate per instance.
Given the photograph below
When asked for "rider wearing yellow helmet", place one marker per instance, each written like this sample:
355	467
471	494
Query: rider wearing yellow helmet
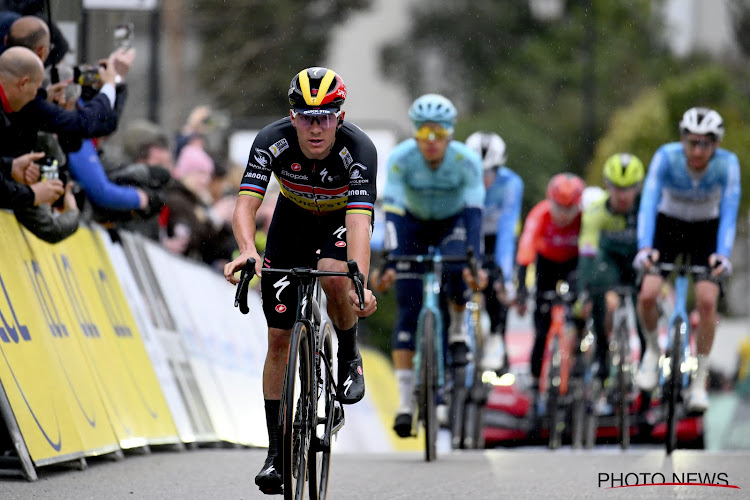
608	244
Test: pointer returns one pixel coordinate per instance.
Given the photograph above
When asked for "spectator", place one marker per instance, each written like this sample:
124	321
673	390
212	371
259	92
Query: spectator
21	73
98	117
192	226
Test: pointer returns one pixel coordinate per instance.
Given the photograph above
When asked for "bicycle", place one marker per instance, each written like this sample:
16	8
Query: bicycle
622	370
677	363
469	393
429	367
558	360
309	415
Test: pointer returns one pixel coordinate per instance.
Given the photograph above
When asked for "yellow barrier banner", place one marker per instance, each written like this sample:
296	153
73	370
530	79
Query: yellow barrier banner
30	371
109	339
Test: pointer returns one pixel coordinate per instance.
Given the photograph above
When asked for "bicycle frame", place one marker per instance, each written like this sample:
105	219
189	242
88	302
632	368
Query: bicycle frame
681	283
431	284
557	329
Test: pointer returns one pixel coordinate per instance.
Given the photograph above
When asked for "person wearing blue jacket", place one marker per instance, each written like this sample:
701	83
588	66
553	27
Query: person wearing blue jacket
86	169
500	221
433	197
689	206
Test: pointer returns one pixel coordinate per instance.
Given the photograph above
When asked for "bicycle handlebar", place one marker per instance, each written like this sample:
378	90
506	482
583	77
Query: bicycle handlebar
248	271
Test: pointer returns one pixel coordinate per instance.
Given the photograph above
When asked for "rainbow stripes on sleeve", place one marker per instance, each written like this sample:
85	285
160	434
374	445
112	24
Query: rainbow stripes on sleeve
359	207
252	190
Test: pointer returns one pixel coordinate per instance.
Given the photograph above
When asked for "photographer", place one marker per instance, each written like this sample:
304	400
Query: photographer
21	72
97	117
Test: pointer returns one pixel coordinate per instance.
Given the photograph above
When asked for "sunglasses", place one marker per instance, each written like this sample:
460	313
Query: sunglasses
325	121
425	133
699	143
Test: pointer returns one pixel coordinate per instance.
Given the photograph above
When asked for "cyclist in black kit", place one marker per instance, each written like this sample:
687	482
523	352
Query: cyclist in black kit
326	169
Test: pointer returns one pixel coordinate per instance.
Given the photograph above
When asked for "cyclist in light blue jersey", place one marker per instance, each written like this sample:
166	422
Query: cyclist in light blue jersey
689	206
500	220
433	197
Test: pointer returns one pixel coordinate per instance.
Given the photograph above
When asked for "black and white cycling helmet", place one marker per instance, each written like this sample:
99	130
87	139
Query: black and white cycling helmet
490	146
702	121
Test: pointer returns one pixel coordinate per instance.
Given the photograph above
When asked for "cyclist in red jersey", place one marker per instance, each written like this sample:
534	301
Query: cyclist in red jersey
550	240
326	169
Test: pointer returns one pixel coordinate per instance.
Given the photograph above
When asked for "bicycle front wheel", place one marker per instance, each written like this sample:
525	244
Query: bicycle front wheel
554	423
327	416
428	380
297	413
674	383
623	386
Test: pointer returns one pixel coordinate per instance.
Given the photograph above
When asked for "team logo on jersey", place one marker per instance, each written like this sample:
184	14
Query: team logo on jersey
324	175
355	171
341	244
339	233
262	158
346	157
281	308
296	167
278	147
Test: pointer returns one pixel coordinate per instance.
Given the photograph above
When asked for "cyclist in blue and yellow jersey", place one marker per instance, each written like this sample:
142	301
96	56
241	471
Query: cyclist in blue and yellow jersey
689	206
607	245
433	197
500	220
326	169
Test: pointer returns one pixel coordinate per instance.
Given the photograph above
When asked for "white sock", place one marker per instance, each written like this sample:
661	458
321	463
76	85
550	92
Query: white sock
652	340
457	330
405	383
702	372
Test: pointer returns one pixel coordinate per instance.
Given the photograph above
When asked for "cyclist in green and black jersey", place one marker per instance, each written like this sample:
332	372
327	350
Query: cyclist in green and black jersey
608	243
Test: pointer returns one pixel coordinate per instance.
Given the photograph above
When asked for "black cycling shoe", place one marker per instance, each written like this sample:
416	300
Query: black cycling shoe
460	355
269	478
402	425
351	382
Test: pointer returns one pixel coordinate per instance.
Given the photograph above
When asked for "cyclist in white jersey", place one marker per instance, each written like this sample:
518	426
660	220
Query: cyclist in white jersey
689	206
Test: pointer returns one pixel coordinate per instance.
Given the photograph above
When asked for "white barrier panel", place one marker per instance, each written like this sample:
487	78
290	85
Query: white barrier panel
153	347
226	363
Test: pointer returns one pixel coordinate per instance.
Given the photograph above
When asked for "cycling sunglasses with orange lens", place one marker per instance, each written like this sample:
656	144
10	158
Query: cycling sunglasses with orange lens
425	133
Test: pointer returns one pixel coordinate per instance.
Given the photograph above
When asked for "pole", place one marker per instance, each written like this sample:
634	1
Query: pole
154	81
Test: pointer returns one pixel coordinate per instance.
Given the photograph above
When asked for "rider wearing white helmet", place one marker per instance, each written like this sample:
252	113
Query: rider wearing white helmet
689	206
500	221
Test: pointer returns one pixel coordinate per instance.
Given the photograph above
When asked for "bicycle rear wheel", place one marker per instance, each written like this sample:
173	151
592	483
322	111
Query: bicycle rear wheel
554	423
296	413
428	382
674	383
326	416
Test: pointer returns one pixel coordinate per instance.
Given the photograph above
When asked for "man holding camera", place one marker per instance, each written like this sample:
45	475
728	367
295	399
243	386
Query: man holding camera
95	118
21	73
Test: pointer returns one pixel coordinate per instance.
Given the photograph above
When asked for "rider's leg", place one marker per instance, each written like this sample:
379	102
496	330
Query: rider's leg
409	302
269	477
648	315
351	380
706	296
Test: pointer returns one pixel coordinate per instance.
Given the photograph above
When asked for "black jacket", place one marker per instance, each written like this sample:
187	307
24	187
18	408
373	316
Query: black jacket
94	119
12	194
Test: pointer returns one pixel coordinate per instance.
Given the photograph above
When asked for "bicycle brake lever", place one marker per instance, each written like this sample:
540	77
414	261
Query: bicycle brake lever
359	282
240	296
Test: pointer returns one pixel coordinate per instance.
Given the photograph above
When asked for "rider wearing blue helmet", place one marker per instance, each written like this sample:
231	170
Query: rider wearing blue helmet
433	198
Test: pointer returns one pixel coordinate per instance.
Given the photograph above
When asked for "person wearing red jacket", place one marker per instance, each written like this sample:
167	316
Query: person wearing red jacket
550	240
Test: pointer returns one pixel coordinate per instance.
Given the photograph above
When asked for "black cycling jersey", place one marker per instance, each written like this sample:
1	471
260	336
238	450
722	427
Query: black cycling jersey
345	179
